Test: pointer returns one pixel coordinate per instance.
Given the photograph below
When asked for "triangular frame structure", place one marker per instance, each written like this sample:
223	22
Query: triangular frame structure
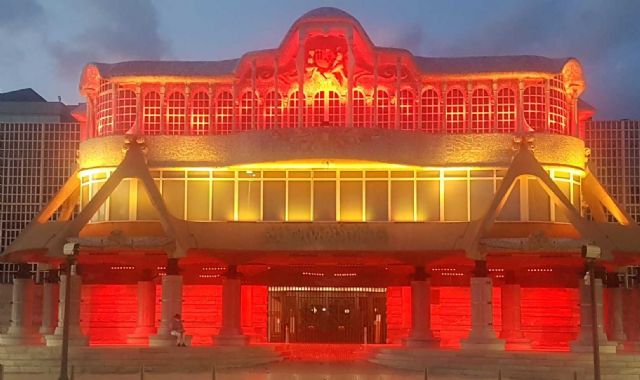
524	164
133	165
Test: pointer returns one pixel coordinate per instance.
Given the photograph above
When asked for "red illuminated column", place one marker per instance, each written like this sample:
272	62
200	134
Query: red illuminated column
631	311
482	335
49	300
146	325
616	323
231	330
171	305
21	330
76	336
420	334
511	314
583	342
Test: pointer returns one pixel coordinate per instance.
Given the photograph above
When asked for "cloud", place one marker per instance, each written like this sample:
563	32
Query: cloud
20	15
118	30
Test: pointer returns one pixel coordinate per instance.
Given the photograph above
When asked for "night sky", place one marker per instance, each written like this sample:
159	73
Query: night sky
45	43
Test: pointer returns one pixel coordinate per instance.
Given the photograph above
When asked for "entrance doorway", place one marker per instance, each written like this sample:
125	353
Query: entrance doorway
327	315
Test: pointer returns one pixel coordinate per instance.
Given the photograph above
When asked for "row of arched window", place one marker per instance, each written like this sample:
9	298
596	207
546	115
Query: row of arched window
200	113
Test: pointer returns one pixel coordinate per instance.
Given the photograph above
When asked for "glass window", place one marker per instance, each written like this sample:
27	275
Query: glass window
222	200
385	110
85	195
351	201
272	110
361	111
336	109
274	201
198	200
145	210
565	187
480	111
224	112
119	202
173	196
428	201
455	200
293	109
200	111
249	197
456	116
100	215
316	112
506	112
247	105
511	209
300	201
151	114
539	202
534	107
481	197
407	110
176	114
126	111
324	201
402	201
377	202
431	111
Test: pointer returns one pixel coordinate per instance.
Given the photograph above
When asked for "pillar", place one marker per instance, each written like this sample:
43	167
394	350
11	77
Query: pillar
583	342
76	337
631	313
511	314
171	305
616	331
21	329
49	302
420	334
231	330
146	325
482	335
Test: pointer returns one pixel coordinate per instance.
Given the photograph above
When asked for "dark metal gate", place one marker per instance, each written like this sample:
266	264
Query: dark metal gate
327	315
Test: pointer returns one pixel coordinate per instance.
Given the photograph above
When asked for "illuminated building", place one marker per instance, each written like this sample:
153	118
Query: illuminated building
358	193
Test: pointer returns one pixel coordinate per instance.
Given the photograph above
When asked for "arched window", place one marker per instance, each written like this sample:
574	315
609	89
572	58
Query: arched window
558	113
200	113
151	115
506	110
384	109
224	113
104	109
272	110
361	112
480	111
176	114
455	111
533	107
126	112
247	102
431	115
407	110
315	113
293	109
335	110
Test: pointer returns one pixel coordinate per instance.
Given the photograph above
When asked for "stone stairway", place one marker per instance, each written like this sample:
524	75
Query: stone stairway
512	365
129	359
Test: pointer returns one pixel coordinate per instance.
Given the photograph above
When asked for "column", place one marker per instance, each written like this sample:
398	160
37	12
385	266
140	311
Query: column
511	314
231	330
482	335
146	325
76	336
171	305
420	334
631	313
49	300
583	342
615	294
21	329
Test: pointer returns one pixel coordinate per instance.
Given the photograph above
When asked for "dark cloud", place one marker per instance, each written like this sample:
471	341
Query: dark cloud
20	15
119	30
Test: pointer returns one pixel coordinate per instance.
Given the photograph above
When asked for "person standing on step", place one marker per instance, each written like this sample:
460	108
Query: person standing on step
177	330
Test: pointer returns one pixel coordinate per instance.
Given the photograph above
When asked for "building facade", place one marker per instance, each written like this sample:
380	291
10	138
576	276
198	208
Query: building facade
330	190
615	157
38	151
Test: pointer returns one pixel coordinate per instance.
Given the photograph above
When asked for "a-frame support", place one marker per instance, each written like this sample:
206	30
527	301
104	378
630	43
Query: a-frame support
524	164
